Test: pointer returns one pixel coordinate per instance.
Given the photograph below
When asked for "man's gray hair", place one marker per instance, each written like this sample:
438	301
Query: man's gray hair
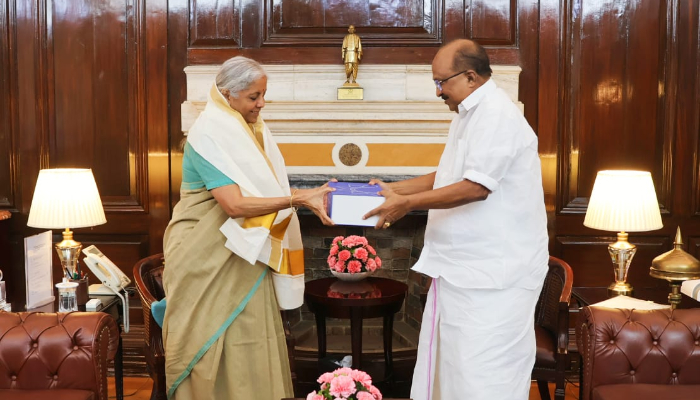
238	73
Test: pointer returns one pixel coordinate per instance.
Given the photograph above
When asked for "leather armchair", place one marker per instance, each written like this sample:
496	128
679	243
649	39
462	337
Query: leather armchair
56	355
639	354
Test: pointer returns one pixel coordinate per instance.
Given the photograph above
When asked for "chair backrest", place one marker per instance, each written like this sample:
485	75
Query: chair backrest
56	351
555	295
148	278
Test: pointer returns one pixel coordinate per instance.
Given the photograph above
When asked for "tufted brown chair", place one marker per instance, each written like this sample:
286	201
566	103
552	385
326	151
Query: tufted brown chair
57	356
639	354
552	329
148	277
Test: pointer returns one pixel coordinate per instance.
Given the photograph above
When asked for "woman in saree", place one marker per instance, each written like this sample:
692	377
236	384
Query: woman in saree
233	251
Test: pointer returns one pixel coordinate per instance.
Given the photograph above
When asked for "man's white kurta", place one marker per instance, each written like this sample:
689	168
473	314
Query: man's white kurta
493	248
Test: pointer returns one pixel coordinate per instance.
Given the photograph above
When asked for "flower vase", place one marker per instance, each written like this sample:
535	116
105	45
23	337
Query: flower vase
348	277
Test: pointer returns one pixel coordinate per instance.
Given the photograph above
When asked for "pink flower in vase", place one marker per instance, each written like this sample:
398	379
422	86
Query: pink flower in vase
365	396
331	261
342	385
344	255
337	239
378	261
339	266
361	254
371	265
314	396
375	392
362	377
371	250
334	250
325	378
354	267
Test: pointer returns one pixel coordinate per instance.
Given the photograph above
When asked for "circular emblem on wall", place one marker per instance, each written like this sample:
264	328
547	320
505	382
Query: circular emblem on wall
350	154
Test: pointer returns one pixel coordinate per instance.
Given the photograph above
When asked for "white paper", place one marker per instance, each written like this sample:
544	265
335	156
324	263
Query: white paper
630	303
349	210
691	289
37	269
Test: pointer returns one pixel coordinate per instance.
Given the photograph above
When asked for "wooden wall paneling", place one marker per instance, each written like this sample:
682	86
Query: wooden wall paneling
215	23
251	24
549	81
455	21
7	112
177	90
687	115
155	35
592	266
493	22
309	38
613	111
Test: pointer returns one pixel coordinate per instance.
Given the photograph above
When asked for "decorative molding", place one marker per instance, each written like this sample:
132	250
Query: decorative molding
400	108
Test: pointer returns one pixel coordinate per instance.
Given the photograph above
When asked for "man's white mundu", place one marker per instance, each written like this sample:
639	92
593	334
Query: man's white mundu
220	138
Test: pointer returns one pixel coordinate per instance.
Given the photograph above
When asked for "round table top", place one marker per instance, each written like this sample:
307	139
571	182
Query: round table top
367	292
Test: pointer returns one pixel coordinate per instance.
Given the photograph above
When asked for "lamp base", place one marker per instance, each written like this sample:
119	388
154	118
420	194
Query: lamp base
620	289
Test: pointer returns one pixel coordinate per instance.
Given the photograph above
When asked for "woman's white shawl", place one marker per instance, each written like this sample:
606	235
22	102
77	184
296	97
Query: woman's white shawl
228	142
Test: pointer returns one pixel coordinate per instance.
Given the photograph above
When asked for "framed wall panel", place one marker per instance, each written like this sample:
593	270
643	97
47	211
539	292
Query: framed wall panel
325	22
96	71
614	110
215	22
7	111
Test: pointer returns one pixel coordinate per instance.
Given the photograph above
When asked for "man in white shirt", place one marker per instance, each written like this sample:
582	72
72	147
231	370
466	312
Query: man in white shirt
485	241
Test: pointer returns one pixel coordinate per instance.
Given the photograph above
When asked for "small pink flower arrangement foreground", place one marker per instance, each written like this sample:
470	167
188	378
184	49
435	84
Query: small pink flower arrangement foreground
353	254
345	384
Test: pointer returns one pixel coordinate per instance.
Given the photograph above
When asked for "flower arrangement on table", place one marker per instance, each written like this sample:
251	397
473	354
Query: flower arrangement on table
345	384
353	254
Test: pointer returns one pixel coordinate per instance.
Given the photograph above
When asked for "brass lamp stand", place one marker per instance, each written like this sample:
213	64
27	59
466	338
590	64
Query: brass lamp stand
675	266
622	201
621	253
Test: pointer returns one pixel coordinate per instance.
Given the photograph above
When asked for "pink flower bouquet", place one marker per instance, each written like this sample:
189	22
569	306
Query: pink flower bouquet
353	254
345	384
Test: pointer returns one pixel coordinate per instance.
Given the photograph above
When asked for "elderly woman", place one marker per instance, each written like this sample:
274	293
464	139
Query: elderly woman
233	250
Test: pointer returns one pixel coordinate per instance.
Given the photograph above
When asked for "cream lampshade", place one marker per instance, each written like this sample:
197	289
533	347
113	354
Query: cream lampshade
623	201
66	198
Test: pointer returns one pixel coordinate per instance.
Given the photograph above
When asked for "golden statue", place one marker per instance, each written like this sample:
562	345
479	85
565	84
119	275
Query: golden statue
352	53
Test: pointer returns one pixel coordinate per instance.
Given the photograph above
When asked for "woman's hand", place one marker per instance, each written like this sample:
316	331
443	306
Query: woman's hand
316	200
393	209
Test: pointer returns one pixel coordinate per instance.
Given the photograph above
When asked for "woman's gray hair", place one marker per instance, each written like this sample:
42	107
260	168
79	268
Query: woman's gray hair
238	73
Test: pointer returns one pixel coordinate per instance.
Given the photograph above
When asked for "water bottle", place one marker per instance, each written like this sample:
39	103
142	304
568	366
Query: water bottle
4	306
67	299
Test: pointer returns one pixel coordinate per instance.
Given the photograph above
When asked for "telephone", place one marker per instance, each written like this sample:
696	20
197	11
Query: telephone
111	277
104	269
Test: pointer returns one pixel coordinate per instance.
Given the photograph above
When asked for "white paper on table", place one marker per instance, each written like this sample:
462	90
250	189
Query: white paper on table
630	303
37	269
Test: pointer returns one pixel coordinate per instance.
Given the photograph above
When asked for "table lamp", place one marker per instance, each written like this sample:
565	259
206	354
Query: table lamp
66	198
675	266
623	201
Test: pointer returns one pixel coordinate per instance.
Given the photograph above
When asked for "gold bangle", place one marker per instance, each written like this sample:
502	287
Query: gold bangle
291	198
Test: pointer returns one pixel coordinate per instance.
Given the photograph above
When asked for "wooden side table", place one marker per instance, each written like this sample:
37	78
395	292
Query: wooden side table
369	298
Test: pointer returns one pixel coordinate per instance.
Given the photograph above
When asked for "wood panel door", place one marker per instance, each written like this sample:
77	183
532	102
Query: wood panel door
86	87
628	73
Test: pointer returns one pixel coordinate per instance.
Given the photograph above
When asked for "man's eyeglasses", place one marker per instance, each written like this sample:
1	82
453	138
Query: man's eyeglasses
438	82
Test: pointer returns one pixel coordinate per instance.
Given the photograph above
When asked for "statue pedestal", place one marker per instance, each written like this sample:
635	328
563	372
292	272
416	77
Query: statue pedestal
351	91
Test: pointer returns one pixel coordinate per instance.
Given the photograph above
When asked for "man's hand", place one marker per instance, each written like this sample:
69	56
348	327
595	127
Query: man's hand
393	209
